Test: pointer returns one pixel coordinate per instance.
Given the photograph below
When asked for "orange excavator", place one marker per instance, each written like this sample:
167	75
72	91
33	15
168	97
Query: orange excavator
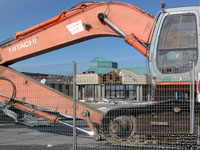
169	41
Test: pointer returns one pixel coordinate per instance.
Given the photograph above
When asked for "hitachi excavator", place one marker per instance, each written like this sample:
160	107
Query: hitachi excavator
169	41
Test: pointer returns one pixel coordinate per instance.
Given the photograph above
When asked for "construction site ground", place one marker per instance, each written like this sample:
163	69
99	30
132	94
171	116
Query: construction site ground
58	137
54	137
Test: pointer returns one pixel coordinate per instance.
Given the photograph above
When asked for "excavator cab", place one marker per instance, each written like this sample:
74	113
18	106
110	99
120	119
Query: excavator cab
175	43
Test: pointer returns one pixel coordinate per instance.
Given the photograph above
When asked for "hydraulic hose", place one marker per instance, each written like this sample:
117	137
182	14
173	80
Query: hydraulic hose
13	86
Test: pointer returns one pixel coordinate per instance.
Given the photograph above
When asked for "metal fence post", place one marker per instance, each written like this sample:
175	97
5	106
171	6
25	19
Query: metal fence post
192	98
192	73
74	106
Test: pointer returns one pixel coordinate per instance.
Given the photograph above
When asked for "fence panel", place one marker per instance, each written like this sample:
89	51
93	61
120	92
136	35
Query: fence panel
119	106
32	132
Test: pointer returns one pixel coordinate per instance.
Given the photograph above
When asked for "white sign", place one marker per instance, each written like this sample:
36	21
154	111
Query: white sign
75	27
43	81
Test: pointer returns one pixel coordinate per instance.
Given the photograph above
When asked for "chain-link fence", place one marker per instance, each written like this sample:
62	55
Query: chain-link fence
118	106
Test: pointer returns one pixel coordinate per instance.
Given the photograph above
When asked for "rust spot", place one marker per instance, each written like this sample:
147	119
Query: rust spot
23	99
56	109
26	82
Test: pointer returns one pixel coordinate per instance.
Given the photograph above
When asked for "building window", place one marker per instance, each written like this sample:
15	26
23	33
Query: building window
104	78
53	86
121	87
67	89
107	87
60	87
89	91
111	78
117	78
132	94
115	91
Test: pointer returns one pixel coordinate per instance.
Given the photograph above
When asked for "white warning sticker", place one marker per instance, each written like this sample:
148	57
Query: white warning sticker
75	27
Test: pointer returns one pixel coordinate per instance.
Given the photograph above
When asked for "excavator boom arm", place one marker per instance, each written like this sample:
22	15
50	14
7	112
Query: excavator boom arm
78	24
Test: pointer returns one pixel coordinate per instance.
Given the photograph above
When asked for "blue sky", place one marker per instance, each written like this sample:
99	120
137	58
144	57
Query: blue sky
18	15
